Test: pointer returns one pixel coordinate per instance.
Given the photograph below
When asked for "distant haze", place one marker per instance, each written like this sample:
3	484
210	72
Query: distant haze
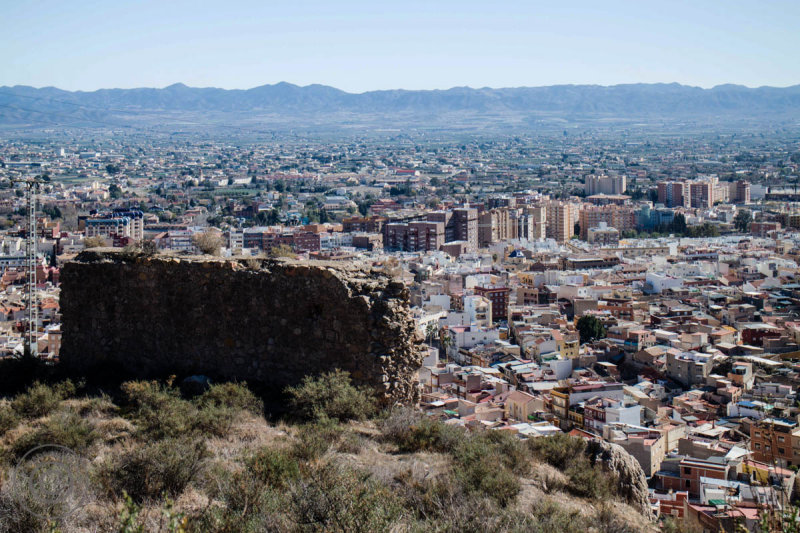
317	106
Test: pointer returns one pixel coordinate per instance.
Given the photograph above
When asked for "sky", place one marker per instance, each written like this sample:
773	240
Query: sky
385	44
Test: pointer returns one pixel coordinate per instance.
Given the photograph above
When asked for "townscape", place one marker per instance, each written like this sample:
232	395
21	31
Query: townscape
638	289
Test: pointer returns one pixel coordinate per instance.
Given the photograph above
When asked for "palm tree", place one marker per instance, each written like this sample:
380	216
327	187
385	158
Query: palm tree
445	342
430	331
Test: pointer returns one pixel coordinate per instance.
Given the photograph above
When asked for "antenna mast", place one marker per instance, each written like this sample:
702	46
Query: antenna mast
31	264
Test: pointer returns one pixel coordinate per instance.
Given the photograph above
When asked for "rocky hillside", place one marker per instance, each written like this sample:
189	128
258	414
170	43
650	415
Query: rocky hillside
157	457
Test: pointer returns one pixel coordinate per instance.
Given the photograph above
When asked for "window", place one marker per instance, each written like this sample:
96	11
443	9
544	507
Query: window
781	439
767	448
687	470
758	445
758	434
688	483
781	451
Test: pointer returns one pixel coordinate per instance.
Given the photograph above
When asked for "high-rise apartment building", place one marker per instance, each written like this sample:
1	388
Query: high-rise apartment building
418	236
605	185
559	217
673	193
739	192
701	194
496	225
460	224
621	218
531	223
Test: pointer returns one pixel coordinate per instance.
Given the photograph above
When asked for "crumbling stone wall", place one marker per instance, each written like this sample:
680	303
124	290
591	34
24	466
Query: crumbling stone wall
271	323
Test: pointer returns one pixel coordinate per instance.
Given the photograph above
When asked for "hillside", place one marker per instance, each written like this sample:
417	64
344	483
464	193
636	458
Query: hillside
285	105
150	458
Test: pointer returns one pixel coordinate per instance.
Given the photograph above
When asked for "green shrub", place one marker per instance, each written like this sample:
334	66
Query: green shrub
247	507
8	418
417	433
558	450
513	452
335	498
331	395
589	481
313	440
63	428
41	399
480	468
235	396
158	410
273	467
154	469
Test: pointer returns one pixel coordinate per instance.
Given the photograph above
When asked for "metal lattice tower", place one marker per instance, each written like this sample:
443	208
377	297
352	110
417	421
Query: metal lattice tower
31	263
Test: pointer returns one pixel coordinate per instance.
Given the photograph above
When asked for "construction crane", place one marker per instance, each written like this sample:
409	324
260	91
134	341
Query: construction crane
31	184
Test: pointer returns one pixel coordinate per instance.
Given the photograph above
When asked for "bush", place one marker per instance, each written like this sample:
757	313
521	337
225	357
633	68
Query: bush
558	450
589	481
209	242
40	399
232	395
313	440
154	469
481	469
64	428
339	499
331	395
512	452
419	433
8	418
273	467
159	411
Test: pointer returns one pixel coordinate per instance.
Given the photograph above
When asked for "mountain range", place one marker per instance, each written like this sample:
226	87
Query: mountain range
311	106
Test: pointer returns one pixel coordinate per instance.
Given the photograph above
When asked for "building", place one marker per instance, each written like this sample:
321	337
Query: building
673	193
689	368
614	216
363	224
701	194
603	235
531	223
499	298
496	225
688	474
459	225
605	185
776	441
740	192
559	221
418	236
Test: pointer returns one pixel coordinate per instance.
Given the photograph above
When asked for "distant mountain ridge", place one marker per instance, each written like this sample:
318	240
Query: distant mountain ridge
320	103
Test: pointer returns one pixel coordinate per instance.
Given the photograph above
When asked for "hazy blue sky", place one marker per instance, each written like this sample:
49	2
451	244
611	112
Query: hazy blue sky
381	44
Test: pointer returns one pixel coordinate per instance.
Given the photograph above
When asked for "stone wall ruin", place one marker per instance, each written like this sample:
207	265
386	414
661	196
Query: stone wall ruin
270	322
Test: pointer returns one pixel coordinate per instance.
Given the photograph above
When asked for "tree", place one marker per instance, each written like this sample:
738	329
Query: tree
112	169
678	224
590	328
94	242
445	341
430	330
114	191
742	220
209	242
576	229
282	250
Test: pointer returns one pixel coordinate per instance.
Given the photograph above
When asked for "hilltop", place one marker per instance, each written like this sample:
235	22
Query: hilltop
157	457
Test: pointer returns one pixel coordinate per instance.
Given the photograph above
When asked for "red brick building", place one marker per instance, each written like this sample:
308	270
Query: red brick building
499	298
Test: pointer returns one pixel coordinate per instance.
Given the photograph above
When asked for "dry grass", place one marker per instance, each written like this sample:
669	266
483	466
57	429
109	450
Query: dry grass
357	448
